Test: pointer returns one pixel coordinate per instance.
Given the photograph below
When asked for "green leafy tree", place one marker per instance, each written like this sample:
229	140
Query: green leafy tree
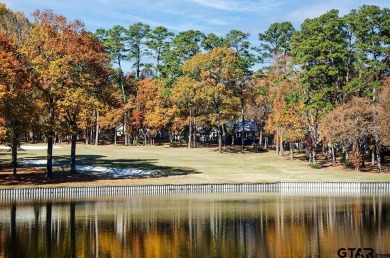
185	45
369	26
276	46
212	41
239	42
319	49
158	42
114	42
136	37
276	40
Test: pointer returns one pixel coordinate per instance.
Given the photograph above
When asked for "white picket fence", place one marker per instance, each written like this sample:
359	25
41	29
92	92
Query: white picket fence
63	193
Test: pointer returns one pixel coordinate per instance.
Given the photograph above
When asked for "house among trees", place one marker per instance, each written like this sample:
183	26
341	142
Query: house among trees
249	128
234	132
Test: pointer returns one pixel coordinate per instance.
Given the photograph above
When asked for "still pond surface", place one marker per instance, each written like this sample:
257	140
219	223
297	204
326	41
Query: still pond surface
198	225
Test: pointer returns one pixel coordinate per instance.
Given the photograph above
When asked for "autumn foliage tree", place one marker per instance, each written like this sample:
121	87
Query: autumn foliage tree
351	124
14	25
158	108
287	118
217	71
188	100
65	60
384	100
16	104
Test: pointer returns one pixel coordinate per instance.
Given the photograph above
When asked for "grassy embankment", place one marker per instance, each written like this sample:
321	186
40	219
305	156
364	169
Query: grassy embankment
180	165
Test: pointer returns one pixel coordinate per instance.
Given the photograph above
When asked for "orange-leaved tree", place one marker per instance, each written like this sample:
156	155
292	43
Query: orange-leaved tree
158	109
350	123
286	120
153	111
16	103
65	60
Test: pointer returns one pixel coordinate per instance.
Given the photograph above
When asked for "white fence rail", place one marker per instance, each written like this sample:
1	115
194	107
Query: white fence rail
62	193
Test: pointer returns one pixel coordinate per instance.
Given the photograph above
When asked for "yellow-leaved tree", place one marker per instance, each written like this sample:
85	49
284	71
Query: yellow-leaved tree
189	104
217	71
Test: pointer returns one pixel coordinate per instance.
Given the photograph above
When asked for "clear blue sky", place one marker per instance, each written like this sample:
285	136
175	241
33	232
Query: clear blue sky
217	16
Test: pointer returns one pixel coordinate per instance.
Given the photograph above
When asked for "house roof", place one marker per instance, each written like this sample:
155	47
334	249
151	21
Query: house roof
249	126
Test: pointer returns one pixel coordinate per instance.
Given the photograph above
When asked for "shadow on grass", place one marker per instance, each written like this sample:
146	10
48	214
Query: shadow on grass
36	174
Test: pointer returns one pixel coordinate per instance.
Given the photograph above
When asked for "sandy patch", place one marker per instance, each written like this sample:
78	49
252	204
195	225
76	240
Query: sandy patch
102	171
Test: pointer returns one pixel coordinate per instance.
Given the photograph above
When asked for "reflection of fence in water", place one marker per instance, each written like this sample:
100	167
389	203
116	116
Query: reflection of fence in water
62	193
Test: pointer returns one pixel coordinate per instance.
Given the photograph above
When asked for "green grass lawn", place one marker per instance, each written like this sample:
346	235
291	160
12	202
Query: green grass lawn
200	165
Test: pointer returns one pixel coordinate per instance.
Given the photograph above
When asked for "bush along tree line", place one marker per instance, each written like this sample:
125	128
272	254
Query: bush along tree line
323	86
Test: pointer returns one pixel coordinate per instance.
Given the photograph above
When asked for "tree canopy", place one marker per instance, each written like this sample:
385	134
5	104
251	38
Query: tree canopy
323	85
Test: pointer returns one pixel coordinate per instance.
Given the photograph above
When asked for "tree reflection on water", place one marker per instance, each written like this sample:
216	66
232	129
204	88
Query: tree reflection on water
197	225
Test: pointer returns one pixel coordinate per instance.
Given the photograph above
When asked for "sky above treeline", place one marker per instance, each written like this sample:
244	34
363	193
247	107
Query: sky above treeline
217	16
208	16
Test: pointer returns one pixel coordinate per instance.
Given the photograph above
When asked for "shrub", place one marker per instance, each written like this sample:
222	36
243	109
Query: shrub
315	166
349	165
136	143
174	144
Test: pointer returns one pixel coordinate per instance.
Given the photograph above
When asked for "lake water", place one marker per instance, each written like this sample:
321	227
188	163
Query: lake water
198	225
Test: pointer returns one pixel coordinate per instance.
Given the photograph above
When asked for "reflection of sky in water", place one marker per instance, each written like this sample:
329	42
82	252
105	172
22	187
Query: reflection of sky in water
197	225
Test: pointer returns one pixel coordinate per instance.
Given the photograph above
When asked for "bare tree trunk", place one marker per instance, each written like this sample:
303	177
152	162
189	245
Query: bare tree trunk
276	141
379	158
291	150
145	136
261	137
50	135
333	154
14	153
73	153
219	138
49	157
281	151
243	123
86	136
97	128
194	133
223	136
14	150
190	134
125	130
219	133
308	154
115	135
91	135
314	156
